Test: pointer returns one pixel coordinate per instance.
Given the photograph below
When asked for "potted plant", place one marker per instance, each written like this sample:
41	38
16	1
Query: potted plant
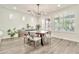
12	32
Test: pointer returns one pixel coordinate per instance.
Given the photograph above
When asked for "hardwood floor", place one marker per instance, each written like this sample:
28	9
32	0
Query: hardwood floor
57	46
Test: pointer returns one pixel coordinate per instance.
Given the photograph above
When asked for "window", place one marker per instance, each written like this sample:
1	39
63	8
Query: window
65	23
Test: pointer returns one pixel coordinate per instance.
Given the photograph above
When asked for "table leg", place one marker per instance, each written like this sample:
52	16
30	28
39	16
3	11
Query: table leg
41	40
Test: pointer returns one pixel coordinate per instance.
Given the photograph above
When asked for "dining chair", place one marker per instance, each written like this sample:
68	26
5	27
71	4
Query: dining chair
33	39
46	39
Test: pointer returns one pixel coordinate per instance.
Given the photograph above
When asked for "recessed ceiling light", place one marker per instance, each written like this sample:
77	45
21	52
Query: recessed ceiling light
58	5
14	8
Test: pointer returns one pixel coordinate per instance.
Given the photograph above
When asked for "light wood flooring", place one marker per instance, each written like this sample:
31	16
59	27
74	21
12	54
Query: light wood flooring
57	46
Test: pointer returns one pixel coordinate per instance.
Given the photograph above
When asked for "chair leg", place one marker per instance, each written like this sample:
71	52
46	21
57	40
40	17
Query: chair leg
24	41
35	44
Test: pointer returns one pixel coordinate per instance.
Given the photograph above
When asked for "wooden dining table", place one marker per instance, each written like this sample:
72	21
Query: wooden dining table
41	34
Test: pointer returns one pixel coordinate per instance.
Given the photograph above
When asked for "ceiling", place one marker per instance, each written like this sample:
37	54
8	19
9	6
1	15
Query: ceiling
32	8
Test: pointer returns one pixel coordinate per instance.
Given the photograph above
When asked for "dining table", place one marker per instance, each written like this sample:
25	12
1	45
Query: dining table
40	33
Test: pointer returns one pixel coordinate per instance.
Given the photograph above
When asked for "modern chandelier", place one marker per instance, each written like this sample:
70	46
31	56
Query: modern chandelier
38	12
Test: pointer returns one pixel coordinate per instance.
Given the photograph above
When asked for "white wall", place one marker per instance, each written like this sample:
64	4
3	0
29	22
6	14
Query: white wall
41	21
74	36
15	21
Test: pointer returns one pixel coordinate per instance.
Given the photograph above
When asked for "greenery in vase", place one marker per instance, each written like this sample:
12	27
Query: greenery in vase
12	32
38	26
28	25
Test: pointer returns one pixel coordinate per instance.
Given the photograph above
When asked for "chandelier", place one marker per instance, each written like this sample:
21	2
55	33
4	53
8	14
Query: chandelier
38	12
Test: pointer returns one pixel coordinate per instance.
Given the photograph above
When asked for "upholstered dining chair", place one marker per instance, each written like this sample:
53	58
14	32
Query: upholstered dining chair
46	39
26	38
33	39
